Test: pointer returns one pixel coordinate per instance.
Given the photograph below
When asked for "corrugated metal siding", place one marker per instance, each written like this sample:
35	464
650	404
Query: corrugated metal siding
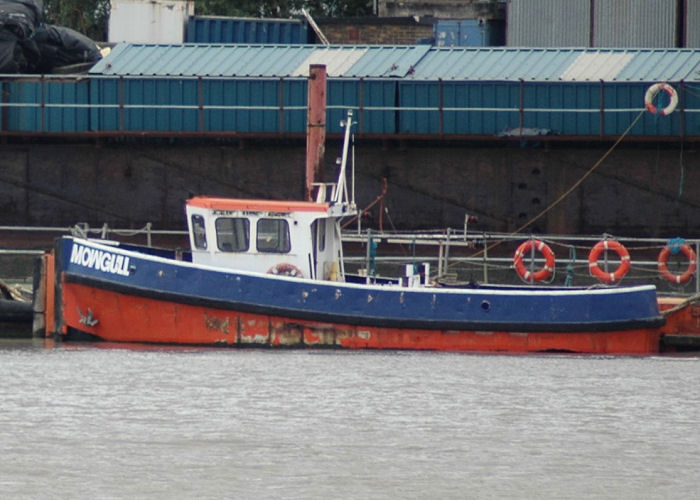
202	60
211	29
596	66
662	65
548	23
509	64
556	108
449	91
34	114
420	62
635	23
67	119
337	60
259	60
493	64
619	98
494	108
144	104
692	22
387	61
257	103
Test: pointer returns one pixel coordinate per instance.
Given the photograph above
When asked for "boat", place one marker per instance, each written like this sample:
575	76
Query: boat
271	273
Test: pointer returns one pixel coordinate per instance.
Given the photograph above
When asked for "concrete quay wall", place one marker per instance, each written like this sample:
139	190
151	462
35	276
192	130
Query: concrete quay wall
639	190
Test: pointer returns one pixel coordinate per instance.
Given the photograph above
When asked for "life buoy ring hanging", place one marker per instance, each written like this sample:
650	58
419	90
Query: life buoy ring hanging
285	269
525	249
689	270
622	269
651	94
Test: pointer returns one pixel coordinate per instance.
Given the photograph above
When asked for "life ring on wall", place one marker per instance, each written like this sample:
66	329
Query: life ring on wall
526	249
621	270
286	269
677	278
651	95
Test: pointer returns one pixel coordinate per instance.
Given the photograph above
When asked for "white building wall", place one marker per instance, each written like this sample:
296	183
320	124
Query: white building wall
149	21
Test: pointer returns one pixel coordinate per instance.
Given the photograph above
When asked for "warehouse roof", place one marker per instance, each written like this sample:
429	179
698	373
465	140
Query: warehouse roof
574	65
416	62
259	60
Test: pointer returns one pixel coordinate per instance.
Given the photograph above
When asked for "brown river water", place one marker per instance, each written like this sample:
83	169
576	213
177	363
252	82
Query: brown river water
115	421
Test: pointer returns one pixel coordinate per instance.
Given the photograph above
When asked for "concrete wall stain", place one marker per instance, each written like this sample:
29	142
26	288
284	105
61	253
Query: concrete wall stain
640	190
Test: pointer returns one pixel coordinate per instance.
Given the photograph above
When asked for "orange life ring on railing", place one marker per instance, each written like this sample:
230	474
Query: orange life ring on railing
621	270
677	278
525	249
286	269
651	94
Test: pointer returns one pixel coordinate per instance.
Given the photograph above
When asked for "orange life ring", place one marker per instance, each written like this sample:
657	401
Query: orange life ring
621	270
677	278
286	269
651	94
525	249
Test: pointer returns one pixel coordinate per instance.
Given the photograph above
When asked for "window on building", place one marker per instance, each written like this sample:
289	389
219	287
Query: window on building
273	236
199	233
233	234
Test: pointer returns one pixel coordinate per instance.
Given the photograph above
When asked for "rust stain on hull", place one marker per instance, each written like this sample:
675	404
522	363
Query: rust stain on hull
125	318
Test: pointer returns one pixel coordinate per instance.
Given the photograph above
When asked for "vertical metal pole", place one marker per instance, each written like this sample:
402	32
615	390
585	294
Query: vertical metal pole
601	122
681	93
697	262
441	105
43	104
521	112
447	248
121	103
531	279
361	110
200	103
369	244
486	267
281	97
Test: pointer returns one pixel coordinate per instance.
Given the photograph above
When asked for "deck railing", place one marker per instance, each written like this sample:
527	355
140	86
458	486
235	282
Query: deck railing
456	256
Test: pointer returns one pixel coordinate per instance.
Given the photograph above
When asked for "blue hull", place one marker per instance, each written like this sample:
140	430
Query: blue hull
490	309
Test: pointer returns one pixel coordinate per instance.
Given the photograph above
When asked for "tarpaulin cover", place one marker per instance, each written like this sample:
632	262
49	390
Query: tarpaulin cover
61	46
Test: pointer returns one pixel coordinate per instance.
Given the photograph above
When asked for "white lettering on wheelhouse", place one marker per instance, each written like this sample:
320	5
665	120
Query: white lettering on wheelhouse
99	260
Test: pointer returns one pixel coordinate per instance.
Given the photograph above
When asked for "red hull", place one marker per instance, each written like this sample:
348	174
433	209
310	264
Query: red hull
682	329
123	318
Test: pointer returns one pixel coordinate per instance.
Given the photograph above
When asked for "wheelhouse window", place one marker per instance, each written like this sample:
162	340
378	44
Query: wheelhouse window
199	233
273	236
233	234
319	229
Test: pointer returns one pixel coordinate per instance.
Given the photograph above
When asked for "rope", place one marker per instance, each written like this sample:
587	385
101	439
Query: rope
573	187
683	304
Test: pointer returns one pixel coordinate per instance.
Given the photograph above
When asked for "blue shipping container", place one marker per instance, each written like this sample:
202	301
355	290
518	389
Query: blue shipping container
469	33
202	29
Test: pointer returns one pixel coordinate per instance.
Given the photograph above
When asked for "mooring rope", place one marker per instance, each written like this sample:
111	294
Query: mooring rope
571	189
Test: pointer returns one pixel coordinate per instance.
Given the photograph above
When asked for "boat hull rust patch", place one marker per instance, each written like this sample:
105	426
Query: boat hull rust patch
125	318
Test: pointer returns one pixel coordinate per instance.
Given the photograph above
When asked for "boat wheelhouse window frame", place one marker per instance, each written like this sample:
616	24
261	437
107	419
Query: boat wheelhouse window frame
235	237
199	232
320	232
273	239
